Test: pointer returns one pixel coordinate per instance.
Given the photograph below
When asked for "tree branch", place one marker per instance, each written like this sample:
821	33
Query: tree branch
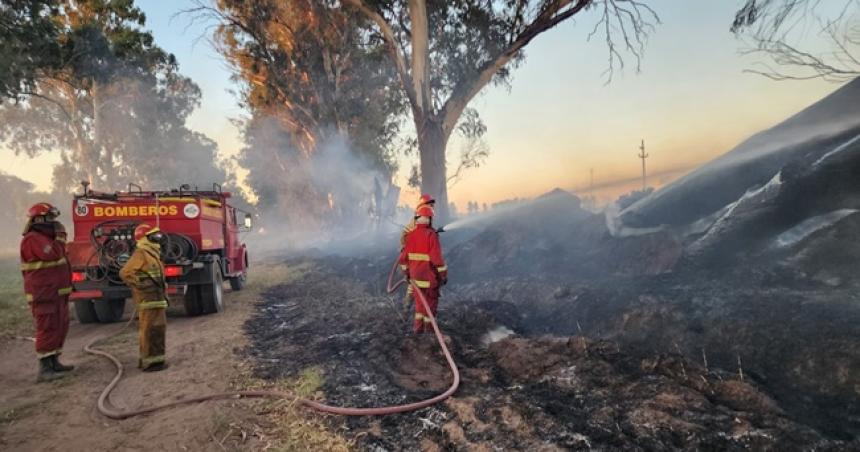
771	24
467	89
393	48
48	99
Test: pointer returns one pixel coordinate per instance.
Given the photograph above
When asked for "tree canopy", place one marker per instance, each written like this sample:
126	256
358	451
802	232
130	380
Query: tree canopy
30	44
112	103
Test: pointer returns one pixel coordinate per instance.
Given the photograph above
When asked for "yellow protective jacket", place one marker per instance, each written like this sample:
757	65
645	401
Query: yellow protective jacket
144	274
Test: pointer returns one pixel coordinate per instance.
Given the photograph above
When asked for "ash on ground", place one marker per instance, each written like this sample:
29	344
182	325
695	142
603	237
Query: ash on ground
532	393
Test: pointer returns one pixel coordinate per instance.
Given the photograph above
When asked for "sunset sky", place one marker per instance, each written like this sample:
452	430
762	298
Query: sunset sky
691	102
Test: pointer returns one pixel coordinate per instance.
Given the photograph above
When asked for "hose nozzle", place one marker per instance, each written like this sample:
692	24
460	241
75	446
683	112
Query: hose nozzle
440	230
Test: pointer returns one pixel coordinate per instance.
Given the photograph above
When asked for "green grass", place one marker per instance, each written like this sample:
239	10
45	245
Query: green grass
15	318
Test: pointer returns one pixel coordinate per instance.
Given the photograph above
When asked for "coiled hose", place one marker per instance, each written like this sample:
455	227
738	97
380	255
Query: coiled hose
105	408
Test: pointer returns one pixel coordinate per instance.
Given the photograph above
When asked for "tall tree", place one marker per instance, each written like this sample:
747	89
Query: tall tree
316	85
780	30
30	45
446	51
113	104
310	66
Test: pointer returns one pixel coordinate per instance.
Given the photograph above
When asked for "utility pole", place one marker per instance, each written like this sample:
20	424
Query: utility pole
643	156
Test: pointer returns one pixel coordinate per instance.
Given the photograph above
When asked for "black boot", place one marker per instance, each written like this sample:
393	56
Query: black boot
46	370
155	367
59	367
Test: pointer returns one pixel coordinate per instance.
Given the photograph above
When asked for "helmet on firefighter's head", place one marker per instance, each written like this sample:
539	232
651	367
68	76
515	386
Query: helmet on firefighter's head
424	211
425	199
144	230
42	212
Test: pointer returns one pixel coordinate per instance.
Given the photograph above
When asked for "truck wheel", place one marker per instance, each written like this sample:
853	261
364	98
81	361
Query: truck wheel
109	311
212	294
238	282
193	307
85	312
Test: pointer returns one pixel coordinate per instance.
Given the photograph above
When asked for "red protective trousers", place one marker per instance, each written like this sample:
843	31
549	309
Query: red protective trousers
422	324
47	285
421	259
52	325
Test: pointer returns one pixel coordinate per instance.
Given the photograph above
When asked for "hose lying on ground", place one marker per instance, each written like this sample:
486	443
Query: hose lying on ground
105	409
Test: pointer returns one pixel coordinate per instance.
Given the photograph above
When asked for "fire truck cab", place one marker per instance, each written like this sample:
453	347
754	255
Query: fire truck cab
202	247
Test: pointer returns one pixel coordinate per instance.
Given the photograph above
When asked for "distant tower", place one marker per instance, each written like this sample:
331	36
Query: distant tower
643	156
591	184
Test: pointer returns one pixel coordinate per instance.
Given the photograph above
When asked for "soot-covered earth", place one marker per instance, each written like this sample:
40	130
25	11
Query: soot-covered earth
518	392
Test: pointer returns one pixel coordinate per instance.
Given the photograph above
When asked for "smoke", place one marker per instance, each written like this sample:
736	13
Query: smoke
16	197
804	229
322	199
779	139
818	132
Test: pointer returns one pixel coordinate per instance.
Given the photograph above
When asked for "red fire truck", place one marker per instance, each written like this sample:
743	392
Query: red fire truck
201	248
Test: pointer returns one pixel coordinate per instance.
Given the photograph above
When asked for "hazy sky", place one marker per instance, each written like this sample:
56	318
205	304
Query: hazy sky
690	103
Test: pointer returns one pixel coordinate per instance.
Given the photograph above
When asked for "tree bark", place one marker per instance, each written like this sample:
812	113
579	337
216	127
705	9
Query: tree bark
432	141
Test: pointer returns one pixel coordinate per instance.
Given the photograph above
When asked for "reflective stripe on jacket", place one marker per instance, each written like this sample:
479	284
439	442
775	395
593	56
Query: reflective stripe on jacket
422	256
144	274
46	271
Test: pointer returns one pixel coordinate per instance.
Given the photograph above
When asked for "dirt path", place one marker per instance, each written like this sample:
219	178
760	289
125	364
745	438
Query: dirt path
62	415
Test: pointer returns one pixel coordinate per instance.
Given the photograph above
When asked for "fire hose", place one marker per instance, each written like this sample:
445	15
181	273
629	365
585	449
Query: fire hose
113	413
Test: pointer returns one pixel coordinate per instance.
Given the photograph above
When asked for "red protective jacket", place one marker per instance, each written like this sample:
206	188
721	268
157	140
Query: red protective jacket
421	257
47	275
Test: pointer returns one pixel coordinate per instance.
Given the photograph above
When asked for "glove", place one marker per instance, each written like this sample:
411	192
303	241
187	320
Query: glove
444	281
60	232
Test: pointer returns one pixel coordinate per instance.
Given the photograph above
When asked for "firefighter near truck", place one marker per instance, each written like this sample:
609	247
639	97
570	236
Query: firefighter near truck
202	247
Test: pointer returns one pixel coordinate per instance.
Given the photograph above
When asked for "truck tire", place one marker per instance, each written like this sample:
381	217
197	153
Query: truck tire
212	294
85	312
192	303
110	310
238	282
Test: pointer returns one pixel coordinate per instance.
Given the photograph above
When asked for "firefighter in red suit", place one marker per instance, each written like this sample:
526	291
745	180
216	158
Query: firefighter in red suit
47	285
421	260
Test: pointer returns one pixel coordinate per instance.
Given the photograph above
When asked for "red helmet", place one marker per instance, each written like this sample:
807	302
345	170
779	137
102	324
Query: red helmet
144	230
424	211
425	199
43	209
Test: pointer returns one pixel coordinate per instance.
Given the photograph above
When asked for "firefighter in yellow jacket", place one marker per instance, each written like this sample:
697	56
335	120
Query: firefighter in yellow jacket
144	273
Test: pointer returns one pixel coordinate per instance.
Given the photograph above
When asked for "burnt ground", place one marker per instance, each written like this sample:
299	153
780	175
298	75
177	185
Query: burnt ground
798	339
536	393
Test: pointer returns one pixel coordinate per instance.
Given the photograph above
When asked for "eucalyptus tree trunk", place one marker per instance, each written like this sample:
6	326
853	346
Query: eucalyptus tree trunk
432	142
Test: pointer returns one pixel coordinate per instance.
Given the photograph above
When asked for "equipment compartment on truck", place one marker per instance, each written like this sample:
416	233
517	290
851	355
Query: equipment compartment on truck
201	248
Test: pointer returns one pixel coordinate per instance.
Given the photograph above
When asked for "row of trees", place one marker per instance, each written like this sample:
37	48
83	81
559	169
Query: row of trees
330	87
